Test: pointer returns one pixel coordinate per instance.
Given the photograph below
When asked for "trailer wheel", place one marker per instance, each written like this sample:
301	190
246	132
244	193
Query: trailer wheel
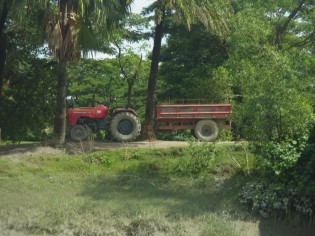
79	133
125	127
206	130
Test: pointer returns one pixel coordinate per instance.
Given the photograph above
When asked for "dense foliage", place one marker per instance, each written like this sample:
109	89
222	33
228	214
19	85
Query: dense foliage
28	87
272	62
27	106
191	60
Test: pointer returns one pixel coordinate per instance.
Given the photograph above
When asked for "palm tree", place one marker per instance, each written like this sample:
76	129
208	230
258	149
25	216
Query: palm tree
70	31
212	13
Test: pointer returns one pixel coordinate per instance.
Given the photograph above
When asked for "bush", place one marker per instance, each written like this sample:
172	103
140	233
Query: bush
287	189
225	135
202	155
177	135
303	174
278	158
277	200
98	158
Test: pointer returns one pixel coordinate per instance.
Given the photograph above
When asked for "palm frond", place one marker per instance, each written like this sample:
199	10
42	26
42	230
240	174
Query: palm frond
55	39
20	8
71	30
211	13
86	38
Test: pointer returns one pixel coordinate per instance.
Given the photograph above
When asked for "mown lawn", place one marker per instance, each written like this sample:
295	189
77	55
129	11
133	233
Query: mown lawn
131	191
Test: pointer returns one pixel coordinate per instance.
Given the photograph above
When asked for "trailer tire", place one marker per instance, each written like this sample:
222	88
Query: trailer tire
79	133
206	130
125	127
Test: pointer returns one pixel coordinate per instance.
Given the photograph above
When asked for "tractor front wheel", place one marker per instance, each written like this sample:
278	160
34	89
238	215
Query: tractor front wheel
79	133
125	127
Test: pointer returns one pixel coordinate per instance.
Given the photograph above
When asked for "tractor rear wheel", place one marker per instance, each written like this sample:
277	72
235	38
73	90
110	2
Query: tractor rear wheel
206	130
79	133
125	127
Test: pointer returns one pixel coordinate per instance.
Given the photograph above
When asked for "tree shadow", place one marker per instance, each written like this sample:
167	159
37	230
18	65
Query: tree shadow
271	227
178	197
190	198
11	149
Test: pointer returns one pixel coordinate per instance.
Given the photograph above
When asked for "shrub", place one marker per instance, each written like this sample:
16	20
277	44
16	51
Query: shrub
98	158
278	158
225	135
202	155
277	200
177	135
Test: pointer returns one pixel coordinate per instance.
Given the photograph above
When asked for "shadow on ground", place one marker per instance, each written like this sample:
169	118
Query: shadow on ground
9	149
176	199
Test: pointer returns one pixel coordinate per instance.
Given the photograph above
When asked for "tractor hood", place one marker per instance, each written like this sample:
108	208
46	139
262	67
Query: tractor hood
99	112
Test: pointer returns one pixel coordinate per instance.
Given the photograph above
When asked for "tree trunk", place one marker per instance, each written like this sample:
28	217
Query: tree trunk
60	113
129	93
3	47
280	29
148	129
3	44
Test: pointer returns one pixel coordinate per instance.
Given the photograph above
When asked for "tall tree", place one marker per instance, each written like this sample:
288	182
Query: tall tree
70	30
211	13
273	81
130	70
13	11
188	64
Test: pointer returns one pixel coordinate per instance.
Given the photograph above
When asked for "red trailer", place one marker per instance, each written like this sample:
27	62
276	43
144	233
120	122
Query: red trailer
203	120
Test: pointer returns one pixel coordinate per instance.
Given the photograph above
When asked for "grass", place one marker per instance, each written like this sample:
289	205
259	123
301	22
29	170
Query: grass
124	192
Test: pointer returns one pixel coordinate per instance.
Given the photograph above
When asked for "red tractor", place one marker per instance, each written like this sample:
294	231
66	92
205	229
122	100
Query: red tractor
122	124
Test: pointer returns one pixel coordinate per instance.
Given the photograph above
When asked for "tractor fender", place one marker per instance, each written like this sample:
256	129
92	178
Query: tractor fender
119	110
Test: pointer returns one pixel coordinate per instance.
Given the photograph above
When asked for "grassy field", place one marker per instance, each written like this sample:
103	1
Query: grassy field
131	191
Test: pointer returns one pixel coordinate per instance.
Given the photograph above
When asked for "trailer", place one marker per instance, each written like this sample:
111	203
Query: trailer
204	120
